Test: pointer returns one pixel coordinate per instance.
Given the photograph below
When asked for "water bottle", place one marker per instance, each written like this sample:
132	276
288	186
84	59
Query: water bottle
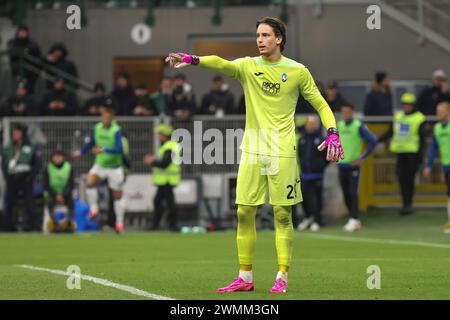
186	229
198	230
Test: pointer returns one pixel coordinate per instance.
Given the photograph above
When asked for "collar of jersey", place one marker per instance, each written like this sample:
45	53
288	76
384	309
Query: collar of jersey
261	61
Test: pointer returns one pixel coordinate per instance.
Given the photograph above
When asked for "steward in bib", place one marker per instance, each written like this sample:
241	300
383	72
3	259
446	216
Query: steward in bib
407	134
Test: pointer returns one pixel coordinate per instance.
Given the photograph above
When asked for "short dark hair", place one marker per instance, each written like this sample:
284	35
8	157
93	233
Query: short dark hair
99	86
109	105
58	152
217	77
124	75
180	76
380	76
278	27
141	85
20	127
347	105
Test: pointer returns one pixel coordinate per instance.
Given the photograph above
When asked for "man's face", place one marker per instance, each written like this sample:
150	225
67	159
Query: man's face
162	137
407	107
438	81
17	135
107	116
58	159
386	82
331	93
58	54
99	94
311	125
121	82
22	34
346	113
443	112
166	85
266	40
58	85
217	85
141	92
179	82
21	92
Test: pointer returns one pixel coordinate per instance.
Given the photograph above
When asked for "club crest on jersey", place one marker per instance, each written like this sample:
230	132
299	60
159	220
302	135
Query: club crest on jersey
284	77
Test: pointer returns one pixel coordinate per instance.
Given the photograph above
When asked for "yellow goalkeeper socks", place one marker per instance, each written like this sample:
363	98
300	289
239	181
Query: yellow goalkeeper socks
245	267
246	234
283	268
284	234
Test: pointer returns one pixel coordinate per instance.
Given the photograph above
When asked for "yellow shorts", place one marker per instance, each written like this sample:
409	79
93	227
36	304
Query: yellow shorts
257	172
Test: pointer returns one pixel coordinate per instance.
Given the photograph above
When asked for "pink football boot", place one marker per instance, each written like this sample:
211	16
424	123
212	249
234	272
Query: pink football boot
279	287
237	285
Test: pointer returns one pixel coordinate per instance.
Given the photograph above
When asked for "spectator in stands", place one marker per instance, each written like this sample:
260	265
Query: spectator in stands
142	105
430	97
59	101
162	99
408	133
123	94
57	57
20	164
22	44
333	97
379	100
183	99
58	185
219	100
313	164
92	106
19	104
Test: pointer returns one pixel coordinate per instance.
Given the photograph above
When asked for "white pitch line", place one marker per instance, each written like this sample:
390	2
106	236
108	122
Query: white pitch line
382	241
100	281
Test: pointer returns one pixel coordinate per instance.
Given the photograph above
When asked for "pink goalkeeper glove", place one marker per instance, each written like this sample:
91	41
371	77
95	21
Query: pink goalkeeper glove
181	60
335	150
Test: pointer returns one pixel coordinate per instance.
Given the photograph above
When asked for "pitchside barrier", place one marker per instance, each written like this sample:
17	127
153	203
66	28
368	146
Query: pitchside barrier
219	138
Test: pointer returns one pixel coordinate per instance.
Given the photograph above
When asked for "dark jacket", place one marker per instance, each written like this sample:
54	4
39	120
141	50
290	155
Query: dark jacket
123	98
336	104
93	102
313	162
144	101
68	98
16	47
303	106
62	64
429	98
220	99
14	104
378	103
182	99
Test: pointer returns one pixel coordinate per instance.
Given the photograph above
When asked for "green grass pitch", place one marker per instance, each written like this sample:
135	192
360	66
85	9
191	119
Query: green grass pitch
330	264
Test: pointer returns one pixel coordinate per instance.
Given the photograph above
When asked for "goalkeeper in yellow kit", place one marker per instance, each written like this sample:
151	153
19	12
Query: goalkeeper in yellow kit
272	84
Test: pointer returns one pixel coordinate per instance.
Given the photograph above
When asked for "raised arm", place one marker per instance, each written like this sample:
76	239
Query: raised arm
218	64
